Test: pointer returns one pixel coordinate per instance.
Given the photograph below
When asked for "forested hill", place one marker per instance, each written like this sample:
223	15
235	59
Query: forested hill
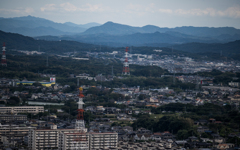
20	42
231	49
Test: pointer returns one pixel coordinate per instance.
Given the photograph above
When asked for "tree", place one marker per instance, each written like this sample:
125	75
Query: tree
182	134
14	100
142	96
37	84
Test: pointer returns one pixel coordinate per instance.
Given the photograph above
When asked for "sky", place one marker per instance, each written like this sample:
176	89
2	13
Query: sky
162	13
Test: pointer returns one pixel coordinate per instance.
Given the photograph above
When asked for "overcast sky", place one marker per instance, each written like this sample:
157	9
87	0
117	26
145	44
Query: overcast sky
162	13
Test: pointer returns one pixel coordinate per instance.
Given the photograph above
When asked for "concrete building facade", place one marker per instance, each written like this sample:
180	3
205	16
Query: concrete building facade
22	109
67	139
9	118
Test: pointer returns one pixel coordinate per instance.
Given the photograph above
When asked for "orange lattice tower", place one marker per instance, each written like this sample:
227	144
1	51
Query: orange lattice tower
80	118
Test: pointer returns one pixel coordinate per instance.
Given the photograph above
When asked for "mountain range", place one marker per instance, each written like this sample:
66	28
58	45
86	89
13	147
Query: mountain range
115	34
34	26
20	42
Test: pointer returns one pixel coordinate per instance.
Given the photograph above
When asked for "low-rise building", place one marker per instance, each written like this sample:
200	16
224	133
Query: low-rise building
9	118
22	109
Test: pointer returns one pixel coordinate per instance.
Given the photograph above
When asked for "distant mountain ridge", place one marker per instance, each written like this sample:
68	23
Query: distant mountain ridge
119	29
29	25
115	34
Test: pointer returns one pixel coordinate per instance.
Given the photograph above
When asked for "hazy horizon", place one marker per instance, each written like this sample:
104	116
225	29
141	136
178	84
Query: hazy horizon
172	13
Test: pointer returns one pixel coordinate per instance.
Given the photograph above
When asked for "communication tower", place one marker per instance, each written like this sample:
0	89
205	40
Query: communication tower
80	119
126	64
4	60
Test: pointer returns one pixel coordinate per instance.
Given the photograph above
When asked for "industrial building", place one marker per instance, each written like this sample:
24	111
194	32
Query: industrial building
21	109
47	84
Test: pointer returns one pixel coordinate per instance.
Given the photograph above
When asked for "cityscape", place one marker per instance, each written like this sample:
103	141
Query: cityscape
124	75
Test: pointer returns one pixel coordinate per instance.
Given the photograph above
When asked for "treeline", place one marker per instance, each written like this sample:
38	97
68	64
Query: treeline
179	119
220	77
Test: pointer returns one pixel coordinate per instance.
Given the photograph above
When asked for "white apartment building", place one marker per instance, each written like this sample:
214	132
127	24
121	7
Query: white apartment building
103	140
74	141
22	109
67	139
40	139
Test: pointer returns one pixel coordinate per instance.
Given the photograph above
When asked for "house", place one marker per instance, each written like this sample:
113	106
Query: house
211	120
157	136
224	146
143	137
122	116
219	140
166	135
193	139
153	100
202	129
143	131
127	129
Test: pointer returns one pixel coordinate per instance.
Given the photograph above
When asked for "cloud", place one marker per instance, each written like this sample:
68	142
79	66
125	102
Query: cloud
92	8
68	7
233	12
168	11
141	9
197	12
22	11
48	7
137	9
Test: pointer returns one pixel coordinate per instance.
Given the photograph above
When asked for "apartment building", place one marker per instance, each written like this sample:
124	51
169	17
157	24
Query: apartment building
22	109
11	133
39	139
79	140
65	139
103	140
